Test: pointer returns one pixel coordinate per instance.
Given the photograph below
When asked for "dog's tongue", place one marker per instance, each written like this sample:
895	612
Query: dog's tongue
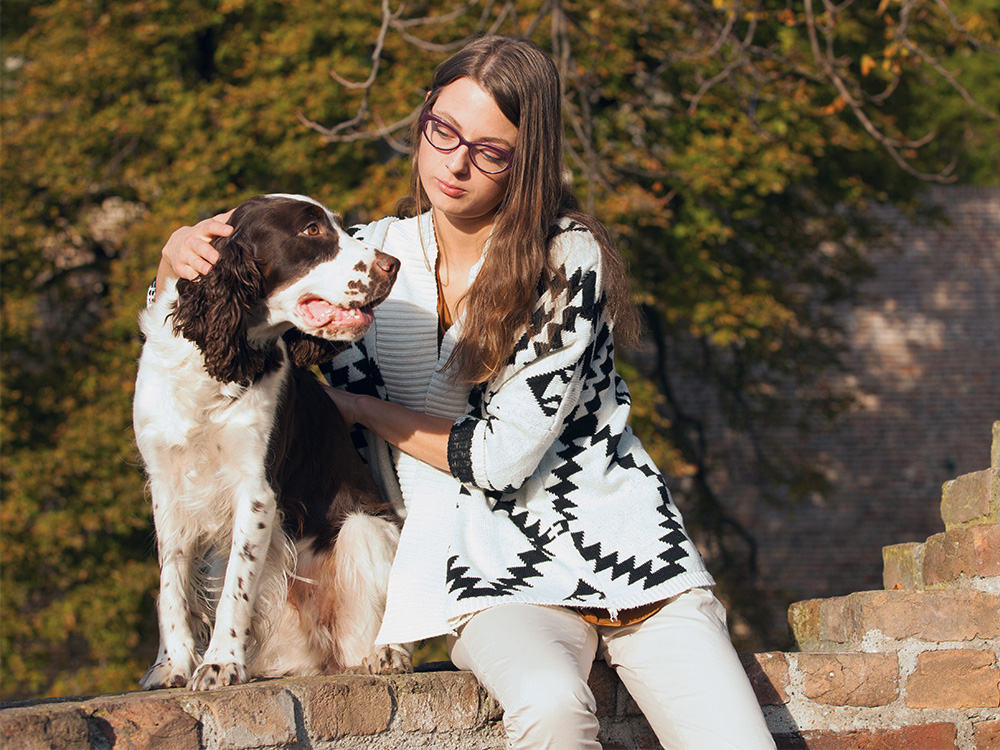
318	312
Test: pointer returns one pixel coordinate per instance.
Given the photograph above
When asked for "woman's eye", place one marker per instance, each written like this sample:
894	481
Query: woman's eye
445	134
493	157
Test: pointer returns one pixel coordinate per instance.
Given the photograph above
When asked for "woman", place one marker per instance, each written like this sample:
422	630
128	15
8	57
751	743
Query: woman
538	532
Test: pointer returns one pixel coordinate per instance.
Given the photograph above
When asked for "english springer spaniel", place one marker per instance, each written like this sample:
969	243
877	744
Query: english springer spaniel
267	521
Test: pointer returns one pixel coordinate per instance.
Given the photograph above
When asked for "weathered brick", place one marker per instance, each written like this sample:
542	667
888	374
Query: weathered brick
995	447
973	552
804	623
902	566
141	721
850	679
986	734
949	615
251	716
971	498
53	727
941	736
768	673
340	706
436	702
954	679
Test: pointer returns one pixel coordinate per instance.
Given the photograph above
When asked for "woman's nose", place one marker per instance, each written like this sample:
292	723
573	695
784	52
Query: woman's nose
459	161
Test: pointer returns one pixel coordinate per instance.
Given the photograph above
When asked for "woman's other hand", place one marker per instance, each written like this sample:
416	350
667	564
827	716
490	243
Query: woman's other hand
345	401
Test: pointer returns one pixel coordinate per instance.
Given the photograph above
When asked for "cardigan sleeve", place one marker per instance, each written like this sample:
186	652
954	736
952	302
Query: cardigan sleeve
500	443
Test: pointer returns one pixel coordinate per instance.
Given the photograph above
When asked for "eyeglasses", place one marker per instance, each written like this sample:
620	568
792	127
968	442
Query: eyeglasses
486	157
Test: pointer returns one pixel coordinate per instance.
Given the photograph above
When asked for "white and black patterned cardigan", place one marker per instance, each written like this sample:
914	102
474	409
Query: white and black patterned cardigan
551	499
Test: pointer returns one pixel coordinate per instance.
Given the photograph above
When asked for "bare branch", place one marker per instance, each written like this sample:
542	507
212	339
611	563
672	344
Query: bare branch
737	62
891	145
949	77
333	135
958	26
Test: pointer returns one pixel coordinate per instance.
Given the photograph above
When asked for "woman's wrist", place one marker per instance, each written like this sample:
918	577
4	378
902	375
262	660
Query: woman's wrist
363	410
164	274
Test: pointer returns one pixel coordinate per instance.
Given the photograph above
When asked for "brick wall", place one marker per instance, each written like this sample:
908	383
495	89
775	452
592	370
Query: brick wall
925	359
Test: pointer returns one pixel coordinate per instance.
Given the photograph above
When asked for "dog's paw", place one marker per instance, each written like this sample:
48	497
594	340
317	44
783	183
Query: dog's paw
392	659
165	674
211	676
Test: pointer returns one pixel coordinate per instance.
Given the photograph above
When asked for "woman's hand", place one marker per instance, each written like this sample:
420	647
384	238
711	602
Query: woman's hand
189	253
345	401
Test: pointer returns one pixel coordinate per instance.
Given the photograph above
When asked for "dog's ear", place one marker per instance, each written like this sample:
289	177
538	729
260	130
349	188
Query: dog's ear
306	350
213	310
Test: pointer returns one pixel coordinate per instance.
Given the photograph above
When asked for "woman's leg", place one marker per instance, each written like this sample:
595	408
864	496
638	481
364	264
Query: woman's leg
682	670
535	661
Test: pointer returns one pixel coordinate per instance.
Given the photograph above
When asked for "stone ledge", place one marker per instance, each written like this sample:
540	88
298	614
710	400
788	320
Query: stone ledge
815	701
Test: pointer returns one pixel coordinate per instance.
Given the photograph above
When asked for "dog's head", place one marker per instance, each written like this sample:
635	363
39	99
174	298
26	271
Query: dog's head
287	270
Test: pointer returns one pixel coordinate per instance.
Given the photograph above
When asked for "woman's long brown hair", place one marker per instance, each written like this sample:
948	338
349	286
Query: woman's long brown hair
524	83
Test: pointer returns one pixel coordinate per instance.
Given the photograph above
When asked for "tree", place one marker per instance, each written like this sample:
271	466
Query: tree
730	146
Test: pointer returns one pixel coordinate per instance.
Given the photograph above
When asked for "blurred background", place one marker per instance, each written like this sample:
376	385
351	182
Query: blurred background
807	193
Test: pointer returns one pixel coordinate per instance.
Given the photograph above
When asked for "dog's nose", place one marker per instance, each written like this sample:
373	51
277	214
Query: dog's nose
387	263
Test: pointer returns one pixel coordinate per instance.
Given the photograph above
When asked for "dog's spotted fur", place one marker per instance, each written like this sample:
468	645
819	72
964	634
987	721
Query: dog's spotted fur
270	530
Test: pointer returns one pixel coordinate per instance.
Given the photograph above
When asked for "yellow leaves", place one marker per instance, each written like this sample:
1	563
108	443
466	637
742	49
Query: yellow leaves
734	316
834	107
867	64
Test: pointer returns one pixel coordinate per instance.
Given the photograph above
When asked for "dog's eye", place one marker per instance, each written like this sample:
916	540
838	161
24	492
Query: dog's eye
312	230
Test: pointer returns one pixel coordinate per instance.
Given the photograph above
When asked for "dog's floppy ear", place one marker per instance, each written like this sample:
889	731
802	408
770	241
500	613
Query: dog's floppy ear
213	311
306	350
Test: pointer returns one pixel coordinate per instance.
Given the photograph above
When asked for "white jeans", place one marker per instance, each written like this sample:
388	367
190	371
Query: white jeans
679	665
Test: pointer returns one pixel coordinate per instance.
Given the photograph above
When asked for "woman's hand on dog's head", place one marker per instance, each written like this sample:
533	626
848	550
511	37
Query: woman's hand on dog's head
189	253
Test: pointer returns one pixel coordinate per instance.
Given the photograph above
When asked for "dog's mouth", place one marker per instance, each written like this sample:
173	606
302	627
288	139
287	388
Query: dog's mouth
319	313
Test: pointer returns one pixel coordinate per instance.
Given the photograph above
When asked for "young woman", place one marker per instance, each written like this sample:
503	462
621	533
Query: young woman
538	532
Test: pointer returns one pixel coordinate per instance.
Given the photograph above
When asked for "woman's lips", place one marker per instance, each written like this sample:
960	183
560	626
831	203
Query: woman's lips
449	190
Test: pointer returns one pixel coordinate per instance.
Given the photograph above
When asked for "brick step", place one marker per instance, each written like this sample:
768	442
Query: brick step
974	498
971	499
837	701
964	558
889	620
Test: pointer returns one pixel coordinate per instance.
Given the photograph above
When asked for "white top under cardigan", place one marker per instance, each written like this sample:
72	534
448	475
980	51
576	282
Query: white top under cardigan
551	499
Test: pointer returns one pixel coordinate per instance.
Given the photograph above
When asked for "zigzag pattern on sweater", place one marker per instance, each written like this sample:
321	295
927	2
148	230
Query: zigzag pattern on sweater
468	586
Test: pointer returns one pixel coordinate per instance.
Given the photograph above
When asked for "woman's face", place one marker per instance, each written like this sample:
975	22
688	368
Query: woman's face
457	190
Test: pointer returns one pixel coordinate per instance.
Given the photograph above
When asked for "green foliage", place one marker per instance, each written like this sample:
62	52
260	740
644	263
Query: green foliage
708	136
127	120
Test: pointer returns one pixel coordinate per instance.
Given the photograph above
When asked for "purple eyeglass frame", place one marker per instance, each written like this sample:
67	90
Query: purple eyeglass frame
427	117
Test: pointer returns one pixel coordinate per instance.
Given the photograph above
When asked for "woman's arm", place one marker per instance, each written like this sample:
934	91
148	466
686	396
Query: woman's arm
422	436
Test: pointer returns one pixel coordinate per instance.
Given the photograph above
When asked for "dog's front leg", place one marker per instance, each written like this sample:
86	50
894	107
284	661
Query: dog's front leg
176	658
224	662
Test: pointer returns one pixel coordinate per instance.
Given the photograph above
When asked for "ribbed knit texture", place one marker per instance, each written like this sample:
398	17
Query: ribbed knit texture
551	499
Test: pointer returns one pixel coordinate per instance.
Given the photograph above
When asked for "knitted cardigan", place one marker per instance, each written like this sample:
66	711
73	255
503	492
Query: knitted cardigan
550	498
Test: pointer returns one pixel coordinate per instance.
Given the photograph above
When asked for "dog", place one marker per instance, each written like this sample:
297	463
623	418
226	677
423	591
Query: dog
274	544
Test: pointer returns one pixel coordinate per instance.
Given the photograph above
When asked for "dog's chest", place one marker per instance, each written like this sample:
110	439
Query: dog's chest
196	429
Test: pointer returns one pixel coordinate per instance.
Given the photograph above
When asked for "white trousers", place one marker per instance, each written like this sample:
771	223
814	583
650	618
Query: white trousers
679	665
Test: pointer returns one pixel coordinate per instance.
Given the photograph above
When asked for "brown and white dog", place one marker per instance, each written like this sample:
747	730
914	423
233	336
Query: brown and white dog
270	530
